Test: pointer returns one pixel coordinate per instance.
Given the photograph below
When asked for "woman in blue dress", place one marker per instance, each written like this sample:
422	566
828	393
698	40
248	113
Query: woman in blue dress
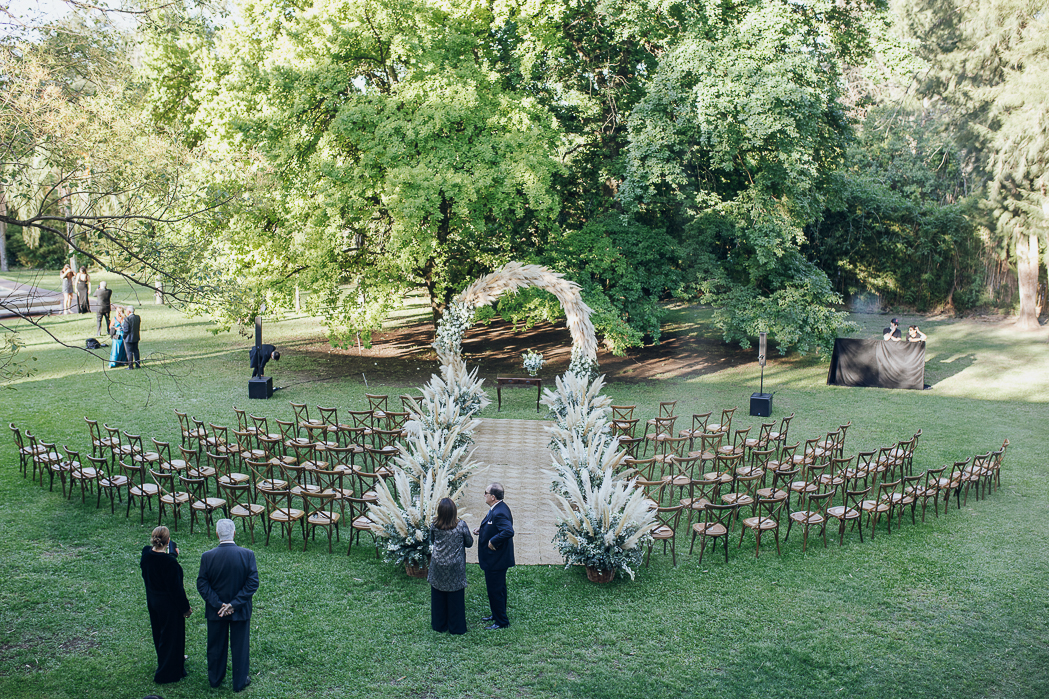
118	355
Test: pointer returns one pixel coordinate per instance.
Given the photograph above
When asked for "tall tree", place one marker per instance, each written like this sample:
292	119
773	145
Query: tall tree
734	143
989	60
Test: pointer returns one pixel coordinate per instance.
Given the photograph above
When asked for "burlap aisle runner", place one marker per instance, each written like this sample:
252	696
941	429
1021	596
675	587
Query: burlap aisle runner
515	453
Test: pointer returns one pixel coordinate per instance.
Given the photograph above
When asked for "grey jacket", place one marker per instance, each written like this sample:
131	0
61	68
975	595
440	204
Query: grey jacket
448	560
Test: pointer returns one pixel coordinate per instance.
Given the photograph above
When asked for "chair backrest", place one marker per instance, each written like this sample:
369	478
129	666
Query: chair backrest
395	420
817	503
277	501
853	498
728	463
644	467
261	424
770	508
220	432
219	462
377	402
715	514
740	438
165	481
629	445
865	461
92	427
18	435
668	517
361	418
686	466
114	436
624	427
135	442
666	408
886	489
699	422
183	423
245	440
726	419
623	412
748	485
784	427
670	447
709	442
72	457
385	438
236	494
288	430
932	478
261	474
191	457
317	502
195	486
762	457
764	433
163	450
664	424
329	416
199	428
412	404
242	419
302	412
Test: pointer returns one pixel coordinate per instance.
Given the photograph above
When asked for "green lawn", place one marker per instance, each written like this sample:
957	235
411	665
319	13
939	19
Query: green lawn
955	607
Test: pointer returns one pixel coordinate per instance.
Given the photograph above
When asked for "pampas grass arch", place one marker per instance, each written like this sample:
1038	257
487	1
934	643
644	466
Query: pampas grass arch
511	277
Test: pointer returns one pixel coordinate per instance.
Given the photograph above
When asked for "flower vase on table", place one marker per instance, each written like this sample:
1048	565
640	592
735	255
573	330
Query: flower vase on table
533	362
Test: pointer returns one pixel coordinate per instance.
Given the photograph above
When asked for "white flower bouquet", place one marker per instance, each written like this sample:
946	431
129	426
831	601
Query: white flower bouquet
533	361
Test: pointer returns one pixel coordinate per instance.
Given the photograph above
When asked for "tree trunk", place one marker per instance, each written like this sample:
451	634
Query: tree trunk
3	232
1027	276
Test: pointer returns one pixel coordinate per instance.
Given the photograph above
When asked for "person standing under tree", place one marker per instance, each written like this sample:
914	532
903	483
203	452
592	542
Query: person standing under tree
132	333
104	296
168	606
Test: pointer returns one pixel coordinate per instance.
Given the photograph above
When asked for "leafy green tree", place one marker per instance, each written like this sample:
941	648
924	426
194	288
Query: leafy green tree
733	146
988	60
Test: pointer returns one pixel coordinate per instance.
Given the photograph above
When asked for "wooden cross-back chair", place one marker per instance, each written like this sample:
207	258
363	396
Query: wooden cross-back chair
724	425
849	511
667	520
241	505
168	494
766	519
814	514
622	412
190	434
280	511
716	523
200	502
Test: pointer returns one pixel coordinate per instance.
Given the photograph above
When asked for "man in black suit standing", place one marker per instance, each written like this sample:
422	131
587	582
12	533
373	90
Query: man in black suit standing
259	355
131	327
104	296
228	578
495	553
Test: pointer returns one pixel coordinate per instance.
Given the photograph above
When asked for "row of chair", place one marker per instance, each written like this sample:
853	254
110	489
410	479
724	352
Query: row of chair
877	485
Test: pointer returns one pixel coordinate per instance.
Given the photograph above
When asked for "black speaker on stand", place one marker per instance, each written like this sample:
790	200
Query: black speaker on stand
761	402
260	387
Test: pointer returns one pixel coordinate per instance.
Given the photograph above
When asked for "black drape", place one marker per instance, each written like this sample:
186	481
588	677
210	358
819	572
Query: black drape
877	363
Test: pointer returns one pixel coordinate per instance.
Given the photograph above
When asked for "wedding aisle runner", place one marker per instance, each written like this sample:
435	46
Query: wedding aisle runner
515	453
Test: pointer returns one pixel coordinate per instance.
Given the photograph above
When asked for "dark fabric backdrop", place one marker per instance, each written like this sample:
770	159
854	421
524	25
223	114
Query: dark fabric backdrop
877	363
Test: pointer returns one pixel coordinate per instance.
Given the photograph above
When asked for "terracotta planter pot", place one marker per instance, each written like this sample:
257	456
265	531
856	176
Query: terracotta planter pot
414	572
597	575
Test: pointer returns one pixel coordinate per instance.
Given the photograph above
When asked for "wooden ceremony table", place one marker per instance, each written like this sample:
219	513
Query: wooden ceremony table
509	382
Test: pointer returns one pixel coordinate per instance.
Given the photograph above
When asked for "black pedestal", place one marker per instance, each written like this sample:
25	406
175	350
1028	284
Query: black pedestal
761	404
260	387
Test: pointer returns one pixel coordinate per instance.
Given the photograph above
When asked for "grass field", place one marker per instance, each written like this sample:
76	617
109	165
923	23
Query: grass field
954	607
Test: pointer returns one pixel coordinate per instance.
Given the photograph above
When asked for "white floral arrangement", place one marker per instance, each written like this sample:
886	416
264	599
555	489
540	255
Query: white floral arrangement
577	391
574	456
425	452
402	517
533	361
450	400
451	328
610	525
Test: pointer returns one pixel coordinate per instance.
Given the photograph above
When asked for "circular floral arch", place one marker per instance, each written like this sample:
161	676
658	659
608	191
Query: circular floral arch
512	276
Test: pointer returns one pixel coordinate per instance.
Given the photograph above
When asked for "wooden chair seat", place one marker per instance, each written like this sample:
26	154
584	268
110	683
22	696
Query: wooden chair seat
760	523
695	504
271	484
662	532
714	475
362	522
737	499
174	498
174	465
247	510
234	478
201	472
309	488
772	494
287	514
323	518
716	529
843	512
144	490
806	517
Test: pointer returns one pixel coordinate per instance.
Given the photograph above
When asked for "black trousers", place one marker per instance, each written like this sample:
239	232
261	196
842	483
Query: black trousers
132	355
259	369
99	315
222	635
169	639
495	581
448	611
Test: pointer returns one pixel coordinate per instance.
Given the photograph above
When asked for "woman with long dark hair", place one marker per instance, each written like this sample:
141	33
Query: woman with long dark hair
451	537
168	606
66	275
83	290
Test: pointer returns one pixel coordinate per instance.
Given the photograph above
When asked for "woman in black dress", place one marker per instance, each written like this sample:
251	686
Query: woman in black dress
451	537
83	290
168	606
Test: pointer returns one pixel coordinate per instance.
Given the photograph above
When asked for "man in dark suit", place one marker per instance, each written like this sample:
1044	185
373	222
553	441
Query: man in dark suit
102	310
131	325
495	553
228	578
258	356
